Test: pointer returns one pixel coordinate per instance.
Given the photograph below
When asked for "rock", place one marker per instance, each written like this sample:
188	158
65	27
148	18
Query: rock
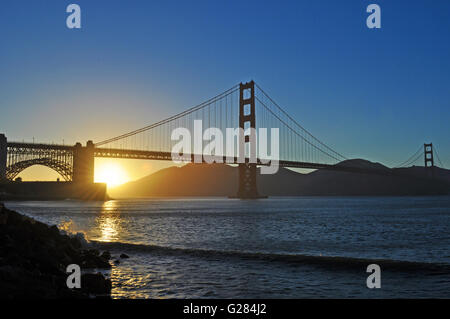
124	256
94	252
91	259
34	257
54	230
95	283
117	261
106	255
3	215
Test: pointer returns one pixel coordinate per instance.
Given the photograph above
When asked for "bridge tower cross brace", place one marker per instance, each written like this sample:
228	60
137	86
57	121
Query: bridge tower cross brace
247	188
428	154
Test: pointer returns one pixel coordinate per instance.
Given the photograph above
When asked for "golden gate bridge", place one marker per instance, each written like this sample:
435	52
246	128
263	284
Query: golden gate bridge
246	106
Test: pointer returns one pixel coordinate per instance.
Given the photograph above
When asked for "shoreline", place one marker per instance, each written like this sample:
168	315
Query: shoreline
34	258
109	198
160	269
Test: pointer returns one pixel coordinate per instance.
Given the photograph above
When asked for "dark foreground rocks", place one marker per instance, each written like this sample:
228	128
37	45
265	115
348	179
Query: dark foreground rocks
34	258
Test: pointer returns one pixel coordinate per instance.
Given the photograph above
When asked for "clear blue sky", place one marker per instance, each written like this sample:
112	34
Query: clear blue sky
375	94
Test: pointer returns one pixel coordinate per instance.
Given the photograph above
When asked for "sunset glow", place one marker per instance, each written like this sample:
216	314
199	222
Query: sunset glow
110	173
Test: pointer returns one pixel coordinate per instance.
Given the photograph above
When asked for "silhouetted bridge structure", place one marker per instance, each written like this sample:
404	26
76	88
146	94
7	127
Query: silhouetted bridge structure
245	106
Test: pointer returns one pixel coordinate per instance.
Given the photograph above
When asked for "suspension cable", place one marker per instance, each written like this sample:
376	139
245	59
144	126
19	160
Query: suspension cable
403	164
298	124
295	132
437	155
174	117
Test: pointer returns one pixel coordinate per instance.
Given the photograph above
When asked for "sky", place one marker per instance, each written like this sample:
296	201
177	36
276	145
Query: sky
376	94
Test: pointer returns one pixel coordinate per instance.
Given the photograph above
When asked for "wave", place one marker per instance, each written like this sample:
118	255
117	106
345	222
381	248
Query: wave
325	261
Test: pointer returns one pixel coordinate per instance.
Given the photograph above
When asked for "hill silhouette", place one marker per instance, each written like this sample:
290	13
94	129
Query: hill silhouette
221	180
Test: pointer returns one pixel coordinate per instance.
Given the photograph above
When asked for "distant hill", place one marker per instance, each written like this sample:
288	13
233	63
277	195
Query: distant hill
188	180
221	180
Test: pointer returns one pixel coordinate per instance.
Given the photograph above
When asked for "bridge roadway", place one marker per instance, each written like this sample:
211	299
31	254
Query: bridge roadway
167	156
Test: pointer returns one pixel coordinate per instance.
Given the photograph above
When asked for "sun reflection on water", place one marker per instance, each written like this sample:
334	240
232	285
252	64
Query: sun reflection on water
109	222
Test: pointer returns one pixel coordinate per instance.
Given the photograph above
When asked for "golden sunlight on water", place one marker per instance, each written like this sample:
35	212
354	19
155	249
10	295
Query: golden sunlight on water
129	284
109	222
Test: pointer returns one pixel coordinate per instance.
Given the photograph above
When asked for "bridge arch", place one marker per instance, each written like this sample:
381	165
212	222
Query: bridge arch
62	168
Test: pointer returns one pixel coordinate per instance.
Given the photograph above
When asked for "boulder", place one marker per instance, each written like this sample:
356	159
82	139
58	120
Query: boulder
34	257
95	284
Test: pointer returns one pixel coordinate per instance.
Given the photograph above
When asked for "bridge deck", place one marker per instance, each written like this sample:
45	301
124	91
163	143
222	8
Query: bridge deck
167	156
36	146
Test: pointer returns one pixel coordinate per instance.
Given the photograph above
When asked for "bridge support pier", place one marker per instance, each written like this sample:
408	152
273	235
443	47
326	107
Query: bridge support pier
247	171
83	163
247	182
3	157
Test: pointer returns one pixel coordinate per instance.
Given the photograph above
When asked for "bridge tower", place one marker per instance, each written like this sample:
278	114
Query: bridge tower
3	157
428	154
83	163
247	171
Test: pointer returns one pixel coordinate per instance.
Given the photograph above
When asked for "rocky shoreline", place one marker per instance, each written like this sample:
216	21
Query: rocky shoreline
34	258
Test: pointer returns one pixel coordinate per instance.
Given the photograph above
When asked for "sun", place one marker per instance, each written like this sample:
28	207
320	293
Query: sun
110	173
